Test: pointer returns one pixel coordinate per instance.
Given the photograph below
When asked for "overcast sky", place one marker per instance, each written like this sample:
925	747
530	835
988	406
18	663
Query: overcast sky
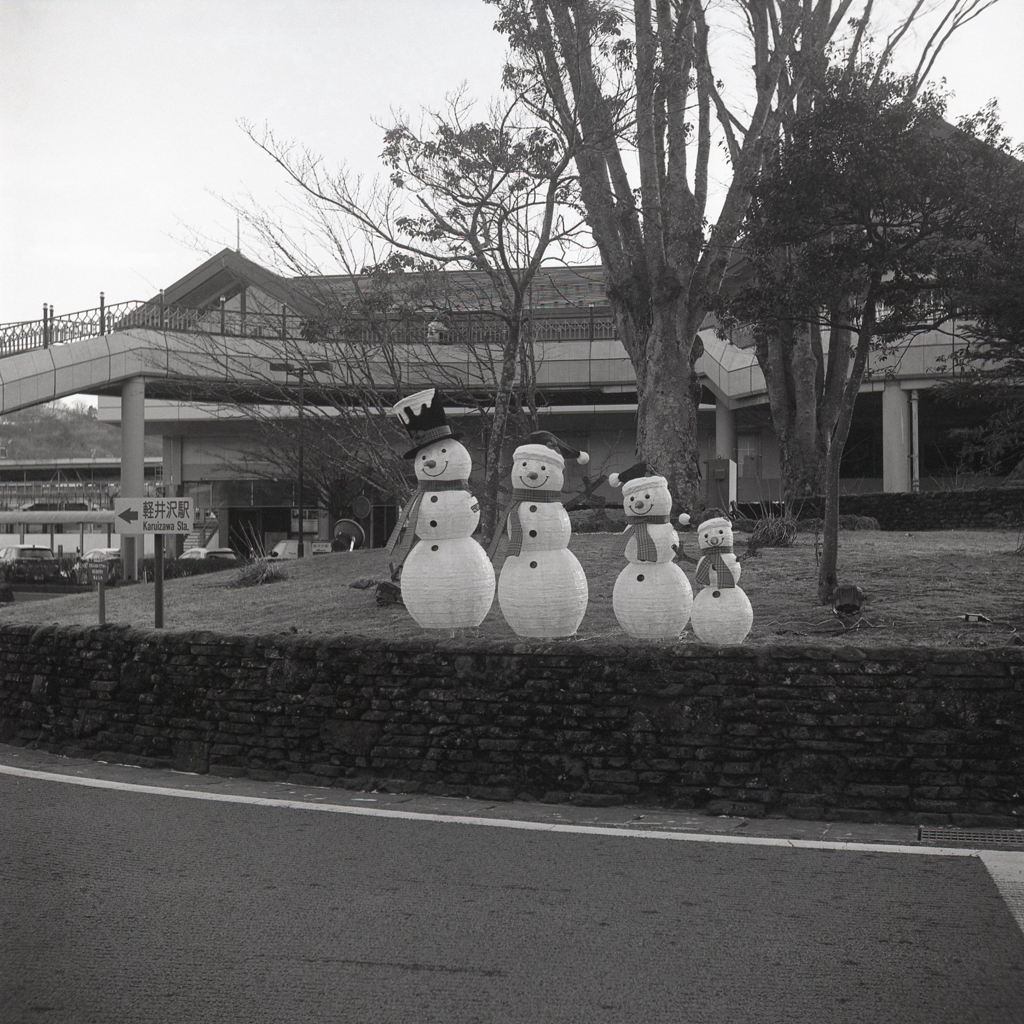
119	118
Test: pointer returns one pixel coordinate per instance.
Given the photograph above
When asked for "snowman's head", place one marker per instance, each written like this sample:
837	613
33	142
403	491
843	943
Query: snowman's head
646	496
446	459
714	533
537	467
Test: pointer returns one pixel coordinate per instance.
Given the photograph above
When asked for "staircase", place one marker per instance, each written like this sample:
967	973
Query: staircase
199	537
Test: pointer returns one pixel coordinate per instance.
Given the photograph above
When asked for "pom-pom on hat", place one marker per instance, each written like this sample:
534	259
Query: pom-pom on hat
423	416
637	477
542	444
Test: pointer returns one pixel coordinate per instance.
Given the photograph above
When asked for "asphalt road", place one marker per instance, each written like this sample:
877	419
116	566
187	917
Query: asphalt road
127	907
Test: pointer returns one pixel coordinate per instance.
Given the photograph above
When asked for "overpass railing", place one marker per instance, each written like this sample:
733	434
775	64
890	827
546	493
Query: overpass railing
455	328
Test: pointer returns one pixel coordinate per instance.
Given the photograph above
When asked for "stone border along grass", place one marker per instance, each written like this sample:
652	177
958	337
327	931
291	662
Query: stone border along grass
911	736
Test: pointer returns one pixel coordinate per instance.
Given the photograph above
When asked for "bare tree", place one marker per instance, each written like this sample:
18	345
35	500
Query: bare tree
635	90
492	196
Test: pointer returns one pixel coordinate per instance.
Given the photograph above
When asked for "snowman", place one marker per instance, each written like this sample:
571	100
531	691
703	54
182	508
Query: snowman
447	578
721	612
652	596
542	589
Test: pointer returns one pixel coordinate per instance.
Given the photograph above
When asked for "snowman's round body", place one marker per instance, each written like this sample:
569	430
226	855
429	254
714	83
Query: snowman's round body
447	580
543	593
720	614
651	599
545	525
721	617
542	590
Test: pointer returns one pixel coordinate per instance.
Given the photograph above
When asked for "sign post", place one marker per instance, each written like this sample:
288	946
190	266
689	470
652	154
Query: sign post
157	516
98	575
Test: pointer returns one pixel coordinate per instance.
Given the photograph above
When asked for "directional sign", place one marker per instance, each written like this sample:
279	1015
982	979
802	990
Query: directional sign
153	515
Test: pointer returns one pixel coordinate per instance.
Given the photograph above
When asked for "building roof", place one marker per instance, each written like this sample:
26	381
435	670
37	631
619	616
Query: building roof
227	272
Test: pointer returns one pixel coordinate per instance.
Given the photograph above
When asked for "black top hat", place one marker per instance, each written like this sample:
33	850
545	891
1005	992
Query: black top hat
423	416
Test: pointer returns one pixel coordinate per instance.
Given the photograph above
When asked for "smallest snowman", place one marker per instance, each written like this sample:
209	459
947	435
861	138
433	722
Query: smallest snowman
721	611
652	596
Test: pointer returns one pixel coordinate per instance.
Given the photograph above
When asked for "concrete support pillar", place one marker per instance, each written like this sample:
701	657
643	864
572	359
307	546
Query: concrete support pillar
725	431
896	439
173	446
133	464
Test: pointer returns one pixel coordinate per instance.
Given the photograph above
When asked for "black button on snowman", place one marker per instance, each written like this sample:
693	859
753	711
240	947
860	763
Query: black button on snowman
447	580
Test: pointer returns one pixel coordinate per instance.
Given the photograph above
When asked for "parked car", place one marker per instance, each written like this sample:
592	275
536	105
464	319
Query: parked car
287	549
27	562
110	557
226	555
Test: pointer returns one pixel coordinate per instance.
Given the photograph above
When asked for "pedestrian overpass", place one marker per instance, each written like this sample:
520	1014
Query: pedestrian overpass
142	350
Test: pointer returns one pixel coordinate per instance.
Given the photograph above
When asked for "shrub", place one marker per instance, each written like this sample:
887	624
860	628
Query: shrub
773	532
258	572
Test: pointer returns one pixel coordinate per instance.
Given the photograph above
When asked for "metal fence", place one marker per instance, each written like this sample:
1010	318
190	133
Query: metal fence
456	329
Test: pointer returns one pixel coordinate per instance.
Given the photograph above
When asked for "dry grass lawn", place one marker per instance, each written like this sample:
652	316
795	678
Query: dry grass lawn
920	588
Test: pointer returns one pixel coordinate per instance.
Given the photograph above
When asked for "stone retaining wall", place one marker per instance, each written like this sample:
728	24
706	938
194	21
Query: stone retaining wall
916	735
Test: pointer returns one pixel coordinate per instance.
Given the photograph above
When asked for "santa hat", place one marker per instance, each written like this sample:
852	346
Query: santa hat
542	444
716	523
636	478
424	418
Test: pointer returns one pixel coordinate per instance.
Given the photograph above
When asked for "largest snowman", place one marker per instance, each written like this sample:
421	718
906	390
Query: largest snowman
447	578
542	589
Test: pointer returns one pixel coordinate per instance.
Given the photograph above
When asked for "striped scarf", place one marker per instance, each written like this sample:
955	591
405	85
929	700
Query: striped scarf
713	559
402	536
646	549
511	516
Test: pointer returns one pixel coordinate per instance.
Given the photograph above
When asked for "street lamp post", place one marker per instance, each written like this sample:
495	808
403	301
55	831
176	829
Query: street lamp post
300	370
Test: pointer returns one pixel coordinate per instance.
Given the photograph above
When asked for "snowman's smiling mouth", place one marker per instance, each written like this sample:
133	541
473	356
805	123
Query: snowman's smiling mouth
536	484
640	510
438	473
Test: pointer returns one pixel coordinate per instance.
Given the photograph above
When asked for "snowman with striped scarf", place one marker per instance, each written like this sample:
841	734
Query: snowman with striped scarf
542	588
652	596
721	611
447	578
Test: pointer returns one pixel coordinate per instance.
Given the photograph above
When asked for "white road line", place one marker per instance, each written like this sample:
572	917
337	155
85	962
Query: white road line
1007	871
458	819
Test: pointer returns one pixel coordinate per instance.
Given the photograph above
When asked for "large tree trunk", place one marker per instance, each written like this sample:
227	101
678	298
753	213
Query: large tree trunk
789	356
668	395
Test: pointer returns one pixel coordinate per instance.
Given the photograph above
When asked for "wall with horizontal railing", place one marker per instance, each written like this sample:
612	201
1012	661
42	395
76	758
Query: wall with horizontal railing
457	329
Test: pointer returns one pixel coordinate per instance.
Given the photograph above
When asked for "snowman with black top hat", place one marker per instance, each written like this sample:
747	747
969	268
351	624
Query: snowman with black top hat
447	578
652	596
542	588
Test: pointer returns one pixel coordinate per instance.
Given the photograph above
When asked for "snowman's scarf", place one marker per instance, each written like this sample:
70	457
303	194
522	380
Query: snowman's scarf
402	536
511	516
646	549
712	559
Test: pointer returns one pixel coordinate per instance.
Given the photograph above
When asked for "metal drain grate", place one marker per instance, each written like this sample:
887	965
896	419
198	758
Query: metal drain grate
1003	838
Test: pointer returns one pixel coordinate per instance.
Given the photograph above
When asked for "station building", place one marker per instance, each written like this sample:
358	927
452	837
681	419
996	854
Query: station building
255	328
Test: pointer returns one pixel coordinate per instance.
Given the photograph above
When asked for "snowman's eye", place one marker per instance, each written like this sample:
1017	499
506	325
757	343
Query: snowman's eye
524	464
543	468
443	450
646	495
